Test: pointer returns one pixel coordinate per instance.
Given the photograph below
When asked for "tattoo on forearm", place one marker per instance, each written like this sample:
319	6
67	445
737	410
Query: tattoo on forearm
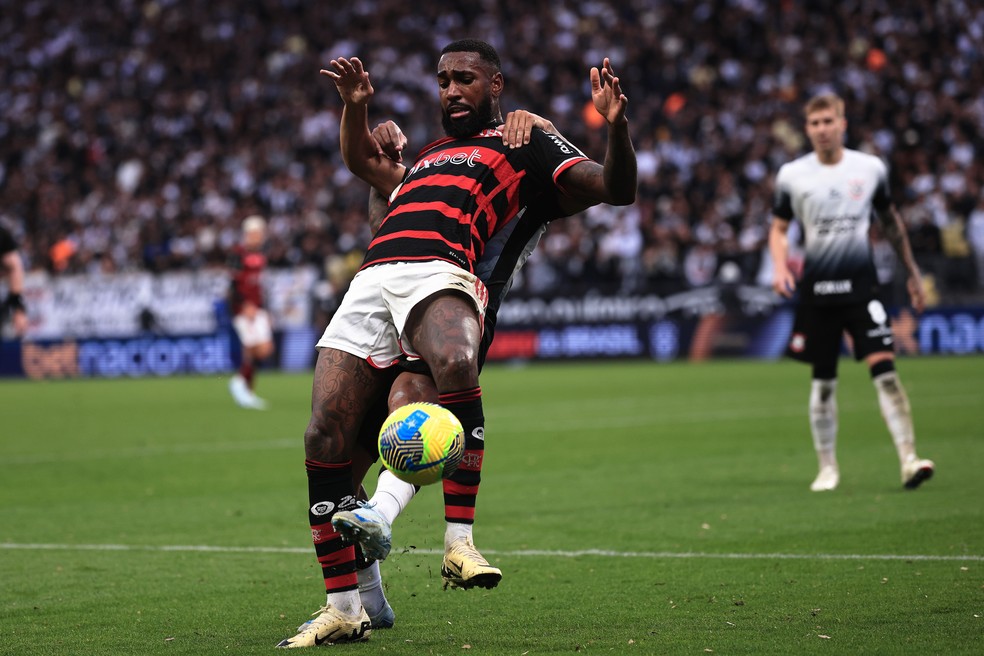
894	233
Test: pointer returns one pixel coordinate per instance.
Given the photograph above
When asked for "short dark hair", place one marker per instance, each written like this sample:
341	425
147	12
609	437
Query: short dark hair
484	51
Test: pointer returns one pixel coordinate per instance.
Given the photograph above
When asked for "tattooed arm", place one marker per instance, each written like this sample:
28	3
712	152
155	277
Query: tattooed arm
894	230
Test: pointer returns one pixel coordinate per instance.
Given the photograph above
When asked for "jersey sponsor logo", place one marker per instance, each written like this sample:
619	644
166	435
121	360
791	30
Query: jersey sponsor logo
448	157
836	225
322	508
830	287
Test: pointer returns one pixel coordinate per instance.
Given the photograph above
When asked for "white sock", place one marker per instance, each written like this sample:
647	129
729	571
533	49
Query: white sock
455	530
371	589
897	414
391	496
347	602
823	420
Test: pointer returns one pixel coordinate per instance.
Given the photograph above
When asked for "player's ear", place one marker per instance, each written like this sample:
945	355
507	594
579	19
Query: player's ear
497	84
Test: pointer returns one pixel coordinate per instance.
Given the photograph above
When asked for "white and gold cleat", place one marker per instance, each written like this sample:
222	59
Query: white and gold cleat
330	627
464	567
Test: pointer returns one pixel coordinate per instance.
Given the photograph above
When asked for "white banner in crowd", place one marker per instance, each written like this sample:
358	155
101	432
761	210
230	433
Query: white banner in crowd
126	305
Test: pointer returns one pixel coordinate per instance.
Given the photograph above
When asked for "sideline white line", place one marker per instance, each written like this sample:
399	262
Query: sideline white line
519	553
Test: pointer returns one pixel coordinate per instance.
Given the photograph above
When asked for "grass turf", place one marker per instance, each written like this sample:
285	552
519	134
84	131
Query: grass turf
633	508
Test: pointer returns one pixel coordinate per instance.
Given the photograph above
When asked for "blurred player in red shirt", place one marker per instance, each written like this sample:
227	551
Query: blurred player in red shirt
250	321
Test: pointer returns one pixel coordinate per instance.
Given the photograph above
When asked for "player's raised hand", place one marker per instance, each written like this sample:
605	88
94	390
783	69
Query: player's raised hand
519	125
351	80
390	140
606	93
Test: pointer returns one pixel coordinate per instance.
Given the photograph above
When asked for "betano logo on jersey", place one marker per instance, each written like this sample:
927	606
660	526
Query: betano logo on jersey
447	157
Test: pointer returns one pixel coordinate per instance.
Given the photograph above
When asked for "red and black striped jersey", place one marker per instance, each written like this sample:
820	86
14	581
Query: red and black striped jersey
461	192
246	268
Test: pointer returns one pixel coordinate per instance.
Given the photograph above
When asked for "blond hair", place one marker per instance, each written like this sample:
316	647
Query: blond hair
255	222
824	101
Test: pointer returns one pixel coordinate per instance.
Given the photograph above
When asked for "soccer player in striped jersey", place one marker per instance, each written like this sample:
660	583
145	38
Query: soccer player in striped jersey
250	321
834	191
417	291
370	526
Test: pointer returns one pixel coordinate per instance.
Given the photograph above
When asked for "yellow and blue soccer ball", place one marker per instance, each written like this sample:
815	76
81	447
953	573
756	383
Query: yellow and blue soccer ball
421	443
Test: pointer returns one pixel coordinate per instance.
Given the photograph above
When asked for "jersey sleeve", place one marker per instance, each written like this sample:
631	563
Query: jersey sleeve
782	198
549	155
882	197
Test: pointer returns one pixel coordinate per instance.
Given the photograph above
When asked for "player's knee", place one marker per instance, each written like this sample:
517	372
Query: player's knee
411	388
877	366
322	442
456	368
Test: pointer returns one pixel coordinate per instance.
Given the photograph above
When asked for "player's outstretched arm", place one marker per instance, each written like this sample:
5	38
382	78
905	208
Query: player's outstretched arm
894	230
615	182
783	280
360	152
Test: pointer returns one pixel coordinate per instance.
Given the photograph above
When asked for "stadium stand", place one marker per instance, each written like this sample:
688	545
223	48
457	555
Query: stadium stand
137	135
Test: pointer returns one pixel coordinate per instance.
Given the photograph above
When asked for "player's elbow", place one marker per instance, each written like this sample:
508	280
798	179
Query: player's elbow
629	198
624	196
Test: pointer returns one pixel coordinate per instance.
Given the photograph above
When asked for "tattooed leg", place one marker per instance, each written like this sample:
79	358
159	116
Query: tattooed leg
344	388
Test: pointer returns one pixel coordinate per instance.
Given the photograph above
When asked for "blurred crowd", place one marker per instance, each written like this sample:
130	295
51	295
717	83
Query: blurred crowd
137	134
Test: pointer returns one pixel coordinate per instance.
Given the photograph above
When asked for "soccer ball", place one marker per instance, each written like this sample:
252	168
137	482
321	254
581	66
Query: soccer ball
421	443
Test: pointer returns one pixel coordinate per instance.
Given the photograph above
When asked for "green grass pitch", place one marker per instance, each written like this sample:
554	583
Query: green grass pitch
633	508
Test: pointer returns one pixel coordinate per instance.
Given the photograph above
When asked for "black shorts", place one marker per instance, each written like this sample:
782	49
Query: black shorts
818	331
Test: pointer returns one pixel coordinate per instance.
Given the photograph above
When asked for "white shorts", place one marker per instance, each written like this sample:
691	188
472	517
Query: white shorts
373	314
255	331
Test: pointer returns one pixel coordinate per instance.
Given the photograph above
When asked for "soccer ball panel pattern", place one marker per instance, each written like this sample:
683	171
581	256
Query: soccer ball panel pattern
421	443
